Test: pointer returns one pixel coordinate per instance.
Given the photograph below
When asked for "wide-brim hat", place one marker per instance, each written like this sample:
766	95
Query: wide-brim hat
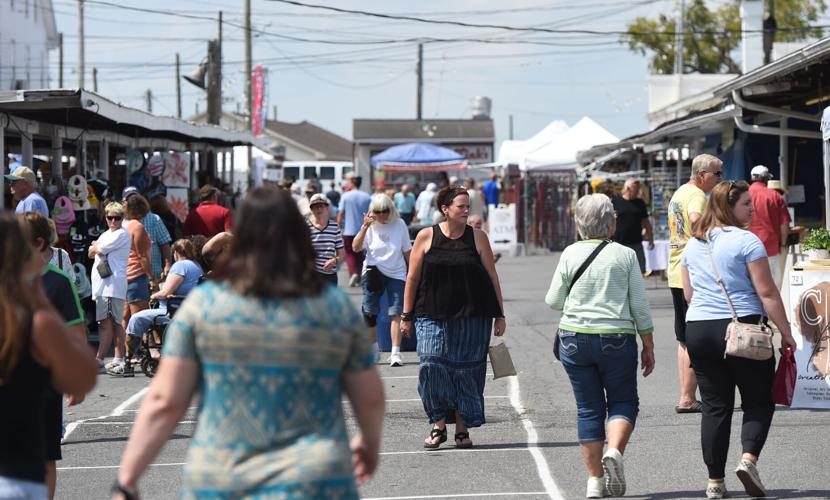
776	185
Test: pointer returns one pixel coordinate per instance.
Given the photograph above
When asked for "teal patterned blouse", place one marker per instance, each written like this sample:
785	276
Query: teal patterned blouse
270	424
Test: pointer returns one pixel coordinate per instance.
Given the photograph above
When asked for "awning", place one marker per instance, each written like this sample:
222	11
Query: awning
418	157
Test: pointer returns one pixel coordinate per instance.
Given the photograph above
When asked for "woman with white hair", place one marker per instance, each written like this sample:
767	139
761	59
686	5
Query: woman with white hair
599	289
424	203
385	239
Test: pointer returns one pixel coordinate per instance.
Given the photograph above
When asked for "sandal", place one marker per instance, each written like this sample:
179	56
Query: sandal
459	440
436	433
695	407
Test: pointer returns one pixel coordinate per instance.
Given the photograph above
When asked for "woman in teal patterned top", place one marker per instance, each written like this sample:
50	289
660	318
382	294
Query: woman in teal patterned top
272	349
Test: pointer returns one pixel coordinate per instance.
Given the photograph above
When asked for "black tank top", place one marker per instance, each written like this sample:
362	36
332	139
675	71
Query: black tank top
22	423
454	283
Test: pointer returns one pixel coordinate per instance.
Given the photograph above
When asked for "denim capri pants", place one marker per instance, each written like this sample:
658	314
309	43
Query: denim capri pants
602	368
393	288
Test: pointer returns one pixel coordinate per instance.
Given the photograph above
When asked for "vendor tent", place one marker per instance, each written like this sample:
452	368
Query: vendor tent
418	157
560	153
515	151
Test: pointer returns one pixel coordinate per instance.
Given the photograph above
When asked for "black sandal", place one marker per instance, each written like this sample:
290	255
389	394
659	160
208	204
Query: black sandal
459	440
436	433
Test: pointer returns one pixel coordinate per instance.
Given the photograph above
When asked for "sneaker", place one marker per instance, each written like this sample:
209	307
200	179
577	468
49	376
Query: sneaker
395	360
596	488
354	280
122	370
748	474
612	464
716	490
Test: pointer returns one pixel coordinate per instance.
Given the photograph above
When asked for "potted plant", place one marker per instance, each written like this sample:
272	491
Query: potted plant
817	244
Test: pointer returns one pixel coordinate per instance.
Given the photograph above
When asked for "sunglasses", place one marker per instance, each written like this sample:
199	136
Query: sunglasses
114	217
386	211
319	205
718	173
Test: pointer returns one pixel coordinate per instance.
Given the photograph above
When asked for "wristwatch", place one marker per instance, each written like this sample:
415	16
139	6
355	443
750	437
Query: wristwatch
406	316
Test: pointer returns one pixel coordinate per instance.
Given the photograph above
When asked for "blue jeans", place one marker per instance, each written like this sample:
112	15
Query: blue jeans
393	288
603	373
142	321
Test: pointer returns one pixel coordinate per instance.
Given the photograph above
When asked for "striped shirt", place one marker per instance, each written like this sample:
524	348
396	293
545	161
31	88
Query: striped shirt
609	297
160	236
326	243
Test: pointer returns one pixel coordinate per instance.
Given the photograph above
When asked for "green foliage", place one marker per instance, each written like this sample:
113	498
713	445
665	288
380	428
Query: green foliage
713	35
818	239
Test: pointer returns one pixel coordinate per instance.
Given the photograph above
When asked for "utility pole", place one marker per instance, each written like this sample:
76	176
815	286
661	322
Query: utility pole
81	44
510	135
274	117
249	102
178	86
60	60
95	79
678	38
214	84
770	27
420	89
148	96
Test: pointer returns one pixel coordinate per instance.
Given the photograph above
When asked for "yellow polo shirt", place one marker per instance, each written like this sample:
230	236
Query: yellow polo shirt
686	200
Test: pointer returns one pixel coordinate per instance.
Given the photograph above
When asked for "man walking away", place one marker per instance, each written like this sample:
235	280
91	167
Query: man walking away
23	184
491	190
632	220
685	208
354	205
771	220
405	203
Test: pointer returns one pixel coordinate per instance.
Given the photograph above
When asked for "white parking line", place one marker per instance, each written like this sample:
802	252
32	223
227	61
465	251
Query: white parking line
94	467
542	468
451	450
182	422
461	495
117	412
412	400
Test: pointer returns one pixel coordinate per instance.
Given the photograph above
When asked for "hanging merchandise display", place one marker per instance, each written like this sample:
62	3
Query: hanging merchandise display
135	160
63	214
177	199
155	165
78	193
176	170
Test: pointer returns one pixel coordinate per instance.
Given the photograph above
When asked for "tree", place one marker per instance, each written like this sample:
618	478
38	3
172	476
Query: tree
711	36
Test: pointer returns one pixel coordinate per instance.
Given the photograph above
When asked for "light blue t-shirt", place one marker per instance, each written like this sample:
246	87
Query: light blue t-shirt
354	204
405	204
33	203
733	248
191	273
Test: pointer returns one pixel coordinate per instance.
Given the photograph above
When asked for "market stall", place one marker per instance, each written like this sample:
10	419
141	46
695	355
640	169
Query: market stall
415	163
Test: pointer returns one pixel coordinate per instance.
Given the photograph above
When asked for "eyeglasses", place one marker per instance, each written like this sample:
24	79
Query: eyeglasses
384	211
717	173
114	217
318	205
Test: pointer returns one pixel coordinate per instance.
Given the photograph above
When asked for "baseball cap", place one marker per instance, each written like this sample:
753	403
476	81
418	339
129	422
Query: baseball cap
22	174
309	188
760	171
128	191
317	199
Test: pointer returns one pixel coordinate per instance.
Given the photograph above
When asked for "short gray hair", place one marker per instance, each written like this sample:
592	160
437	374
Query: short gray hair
703	161
594	216
381	202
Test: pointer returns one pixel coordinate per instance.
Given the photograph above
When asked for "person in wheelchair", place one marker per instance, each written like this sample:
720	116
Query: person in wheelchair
184	275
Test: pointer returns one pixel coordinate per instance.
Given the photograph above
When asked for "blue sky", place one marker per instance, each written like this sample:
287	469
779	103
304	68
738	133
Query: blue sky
543	77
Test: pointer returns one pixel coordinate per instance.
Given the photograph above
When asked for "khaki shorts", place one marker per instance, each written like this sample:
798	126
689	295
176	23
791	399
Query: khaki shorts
106	307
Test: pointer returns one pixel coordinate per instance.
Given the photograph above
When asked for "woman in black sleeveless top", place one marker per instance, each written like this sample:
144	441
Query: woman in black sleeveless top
36	351
452	298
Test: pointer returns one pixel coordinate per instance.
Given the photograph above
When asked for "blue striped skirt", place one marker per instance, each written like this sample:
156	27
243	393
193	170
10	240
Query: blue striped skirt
453	367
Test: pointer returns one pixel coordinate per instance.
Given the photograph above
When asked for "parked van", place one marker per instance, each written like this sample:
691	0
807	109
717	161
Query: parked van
326	172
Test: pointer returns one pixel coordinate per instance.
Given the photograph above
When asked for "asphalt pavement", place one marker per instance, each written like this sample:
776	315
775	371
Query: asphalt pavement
528	447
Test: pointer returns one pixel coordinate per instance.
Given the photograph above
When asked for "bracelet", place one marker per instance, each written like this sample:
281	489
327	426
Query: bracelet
406	316
128	493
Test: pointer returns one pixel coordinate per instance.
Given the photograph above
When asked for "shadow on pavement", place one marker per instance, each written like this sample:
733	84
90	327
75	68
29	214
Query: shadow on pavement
502	446
738	493
115	439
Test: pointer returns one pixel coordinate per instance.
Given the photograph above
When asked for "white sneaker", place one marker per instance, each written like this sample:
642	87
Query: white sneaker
596	488
748	474
716	490
395	360
612	464
354	280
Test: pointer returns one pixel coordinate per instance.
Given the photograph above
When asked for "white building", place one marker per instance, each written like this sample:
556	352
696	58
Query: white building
27	34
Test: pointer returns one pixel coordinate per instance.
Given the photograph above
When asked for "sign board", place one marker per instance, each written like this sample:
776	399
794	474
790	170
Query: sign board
795	194
809	319
258	84
474	153
501	222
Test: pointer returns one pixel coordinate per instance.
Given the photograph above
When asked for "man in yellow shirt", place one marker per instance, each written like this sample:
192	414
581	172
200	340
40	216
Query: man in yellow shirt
685	208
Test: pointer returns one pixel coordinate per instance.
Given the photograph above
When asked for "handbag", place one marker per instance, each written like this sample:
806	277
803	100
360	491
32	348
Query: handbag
743	340
783	385
576	276
374	279
103	267
501	361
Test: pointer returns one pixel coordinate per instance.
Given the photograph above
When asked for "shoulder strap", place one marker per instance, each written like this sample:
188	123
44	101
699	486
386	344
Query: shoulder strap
60	259
719	280
587	262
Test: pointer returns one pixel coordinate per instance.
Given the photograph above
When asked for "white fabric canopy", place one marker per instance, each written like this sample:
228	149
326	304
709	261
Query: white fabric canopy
560	153
516	151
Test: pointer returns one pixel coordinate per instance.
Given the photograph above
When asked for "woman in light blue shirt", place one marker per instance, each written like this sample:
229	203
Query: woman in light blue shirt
741	262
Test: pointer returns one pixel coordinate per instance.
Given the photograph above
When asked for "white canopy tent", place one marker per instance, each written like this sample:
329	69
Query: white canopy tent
515	151
560	153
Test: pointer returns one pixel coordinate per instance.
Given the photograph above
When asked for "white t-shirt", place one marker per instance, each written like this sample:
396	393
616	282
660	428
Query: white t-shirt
116	246
384	245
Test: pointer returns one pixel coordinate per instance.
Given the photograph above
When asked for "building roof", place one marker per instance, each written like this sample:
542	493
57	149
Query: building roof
398	131
328	144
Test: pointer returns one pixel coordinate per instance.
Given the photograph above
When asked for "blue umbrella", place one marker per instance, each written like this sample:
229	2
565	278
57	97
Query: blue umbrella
418	156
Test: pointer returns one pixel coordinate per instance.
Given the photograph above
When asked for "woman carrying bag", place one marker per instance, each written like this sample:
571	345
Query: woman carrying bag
725	275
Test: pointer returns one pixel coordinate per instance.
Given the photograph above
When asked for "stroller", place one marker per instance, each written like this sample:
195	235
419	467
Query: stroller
149	351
